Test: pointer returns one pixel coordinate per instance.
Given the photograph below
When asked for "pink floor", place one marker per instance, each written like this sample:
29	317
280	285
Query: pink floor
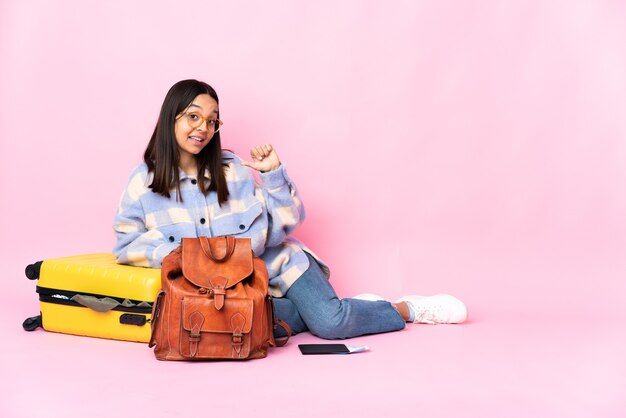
503	362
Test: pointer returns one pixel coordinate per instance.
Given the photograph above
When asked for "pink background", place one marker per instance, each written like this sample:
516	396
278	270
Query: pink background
470	147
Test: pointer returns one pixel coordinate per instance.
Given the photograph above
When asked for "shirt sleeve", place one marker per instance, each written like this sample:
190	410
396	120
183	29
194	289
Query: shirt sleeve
136	245
284	207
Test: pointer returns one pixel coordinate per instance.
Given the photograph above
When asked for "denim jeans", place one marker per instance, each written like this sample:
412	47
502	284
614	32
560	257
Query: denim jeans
312	304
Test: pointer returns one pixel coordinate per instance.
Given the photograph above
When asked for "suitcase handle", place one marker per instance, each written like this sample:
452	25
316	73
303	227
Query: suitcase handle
133	319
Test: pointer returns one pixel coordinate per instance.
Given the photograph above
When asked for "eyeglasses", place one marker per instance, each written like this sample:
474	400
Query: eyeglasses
195	120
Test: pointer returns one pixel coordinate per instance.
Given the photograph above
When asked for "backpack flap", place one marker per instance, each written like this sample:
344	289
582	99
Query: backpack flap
217	263
207	334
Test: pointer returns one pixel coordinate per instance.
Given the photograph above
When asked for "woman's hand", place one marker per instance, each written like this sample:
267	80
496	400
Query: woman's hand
264	158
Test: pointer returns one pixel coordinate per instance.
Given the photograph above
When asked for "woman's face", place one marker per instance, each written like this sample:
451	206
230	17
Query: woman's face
191	140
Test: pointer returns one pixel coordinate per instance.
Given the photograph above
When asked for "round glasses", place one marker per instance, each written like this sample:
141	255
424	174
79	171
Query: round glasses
195	120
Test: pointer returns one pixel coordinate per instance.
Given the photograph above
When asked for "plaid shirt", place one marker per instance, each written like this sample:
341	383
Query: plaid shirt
149	226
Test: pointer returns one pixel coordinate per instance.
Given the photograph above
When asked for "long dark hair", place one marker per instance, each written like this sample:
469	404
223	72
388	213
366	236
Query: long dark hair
162	155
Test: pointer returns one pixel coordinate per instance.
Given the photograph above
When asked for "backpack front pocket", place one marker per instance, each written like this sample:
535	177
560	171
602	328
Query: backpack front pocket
208	333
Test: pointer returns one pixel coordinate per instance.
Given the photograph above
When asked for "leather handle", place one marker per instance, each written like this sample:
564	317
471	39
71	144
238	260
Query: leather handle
205	243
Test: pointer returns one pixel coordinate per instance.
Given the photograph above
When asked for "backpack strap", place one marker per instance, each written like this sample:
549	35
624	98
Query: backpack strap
279	342
156	313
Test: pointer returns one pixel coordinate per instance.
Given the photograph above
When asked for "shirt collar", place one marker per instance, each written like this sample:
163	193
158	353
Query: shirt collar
182	175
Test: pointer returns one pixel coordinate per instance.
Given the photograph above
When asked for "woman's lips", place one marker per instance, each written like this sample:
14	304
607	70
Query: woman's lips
196	140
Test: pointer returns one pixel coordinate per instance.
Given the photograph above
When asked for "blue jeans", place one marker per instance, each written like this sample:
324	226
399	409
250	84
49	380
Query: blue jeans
312	304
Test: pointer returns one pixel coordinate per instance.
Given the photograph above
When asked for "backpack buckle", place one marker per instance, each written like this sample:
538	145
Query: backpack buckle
237	338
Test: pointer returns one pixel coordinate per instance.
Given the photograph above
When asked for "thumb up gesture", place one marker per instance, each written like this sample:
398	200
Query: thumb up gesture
264	158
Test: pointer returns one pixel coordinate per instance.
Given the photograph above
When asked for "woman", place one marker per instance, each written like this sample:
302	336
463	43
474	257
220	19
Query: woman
188	186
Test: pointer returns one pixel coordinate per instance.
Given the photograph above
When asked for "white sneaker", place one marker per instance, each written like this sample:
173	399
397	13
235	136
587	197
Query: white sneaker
437	309
368	296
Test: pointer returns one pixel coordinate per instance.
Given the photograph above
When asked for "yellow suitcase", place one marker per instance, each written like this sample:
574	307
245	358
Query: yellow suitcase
92	295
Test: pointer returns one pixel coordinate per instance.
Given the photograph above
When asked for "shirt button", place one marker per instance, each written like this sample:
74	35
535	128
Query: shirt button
202	220
193	181
242	227
172	239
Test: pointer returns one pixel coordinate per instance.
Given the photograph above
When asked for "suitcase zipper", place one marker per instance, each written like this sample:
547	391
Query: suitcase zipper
63	297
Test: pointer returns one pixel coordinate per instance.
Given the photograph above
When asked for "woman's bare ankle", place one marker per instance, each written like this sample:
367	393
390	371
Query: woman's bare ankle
403	310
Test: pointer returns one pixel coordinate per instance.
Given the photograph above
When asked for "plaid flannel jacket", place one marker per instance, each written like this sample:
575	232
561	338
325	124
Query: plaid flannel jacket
149	226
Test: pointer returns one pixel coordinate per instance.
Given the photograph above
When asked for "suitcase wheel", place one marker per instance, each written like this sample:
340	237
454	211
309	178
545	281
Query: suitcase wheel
32	270
32	323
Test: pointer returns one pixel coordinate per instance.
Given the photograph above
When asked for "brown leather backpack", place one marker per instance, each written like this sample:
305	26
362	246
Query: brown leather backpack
213	302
